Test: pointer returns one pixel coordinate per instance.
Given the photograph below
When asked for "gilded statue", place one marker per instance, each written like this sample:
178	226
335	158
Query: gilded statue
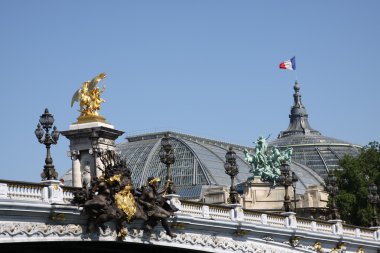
89	100
340	248
318	247
360	250
155	205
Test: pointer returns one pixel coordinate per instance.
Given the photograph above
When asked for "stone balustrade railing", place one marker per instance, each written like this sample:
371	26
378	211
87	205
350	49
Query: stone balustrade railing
46	191
21	190
195	209
52	192
16	191
283	221
68	193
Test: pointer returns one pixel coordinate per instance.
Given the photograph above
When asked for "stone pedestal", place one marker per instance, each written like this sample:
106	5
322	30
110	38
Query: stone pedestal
52	194
337	226
77	126
3	191
376	234
81	150
290	220
237	212
260	195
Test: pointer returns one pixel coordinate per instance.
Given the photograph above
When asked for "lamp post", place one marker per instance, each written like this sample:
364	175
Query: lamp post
333	190
294	184
167	157
373	198
44	137
285	179
232	169
94	138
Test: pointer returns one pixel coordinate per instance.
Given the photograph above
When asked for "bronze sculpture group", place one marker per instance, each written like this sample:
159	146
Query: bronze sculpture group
266	165
113	197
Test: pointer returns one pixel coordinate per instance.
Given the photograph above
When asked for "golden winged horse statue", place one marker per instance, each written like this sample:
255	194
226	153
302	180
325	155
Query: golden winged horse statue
89	99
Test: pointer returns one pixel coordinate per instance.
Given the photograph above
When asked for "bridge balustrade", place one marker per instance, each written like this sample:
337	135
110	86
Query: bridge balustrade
21	190
53	193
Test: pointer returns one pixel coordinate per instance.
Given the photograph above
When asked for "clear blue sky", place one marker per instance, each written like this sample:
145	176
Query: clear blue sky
205	68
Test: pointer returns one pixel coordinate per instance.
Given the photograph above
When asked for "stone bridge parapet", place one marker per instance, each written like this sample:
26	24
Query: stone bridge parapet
35	212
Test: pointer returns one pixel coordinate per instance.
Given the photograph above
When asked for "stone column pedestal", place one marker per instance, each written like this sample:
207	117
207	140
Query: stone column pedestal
237	212
290	220
76	171
376	234
80	142
337	226
53	193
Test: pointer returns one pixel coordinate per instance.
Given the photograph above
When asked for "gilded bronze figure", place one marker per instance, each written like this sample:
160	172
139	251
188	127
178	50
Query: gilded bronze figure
155	206
89	100
111	196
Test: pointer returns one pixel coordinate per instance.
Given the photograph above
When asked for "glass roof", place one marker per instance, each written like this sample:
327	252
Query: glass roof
199	161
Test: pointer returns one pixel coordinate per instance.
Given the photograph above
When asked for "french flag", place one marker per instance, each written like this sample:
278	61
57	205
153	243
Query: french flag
289	64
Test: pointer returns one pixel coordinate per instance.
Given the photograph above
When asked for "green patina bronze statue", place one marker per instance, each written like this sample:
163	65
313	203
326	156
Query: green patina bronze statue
267	166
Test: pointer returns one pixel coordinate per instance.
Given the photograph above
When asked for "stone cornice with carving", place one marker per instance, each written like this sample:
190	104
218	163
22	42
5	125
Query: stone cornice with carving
38	231
27	231
206	243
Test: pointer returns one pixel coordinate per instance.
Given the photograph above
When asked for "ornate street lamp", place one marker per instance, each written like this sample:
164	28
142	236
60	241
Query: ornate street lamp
294	184
285	179
44	137
373	198
333	190
167	157
232	169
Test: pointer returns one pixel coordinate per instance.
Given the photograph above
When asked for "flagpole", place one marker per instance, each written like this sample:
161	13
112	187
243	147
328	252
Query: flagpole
295	68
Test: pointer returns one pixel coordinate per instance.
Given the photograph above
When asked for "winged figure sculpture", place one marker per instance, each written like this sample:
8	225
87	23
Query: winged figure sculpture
88	96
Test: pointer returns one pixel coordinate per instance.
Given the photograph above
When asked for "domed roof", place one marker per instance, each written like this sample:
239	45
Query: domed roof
198	162
310	147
